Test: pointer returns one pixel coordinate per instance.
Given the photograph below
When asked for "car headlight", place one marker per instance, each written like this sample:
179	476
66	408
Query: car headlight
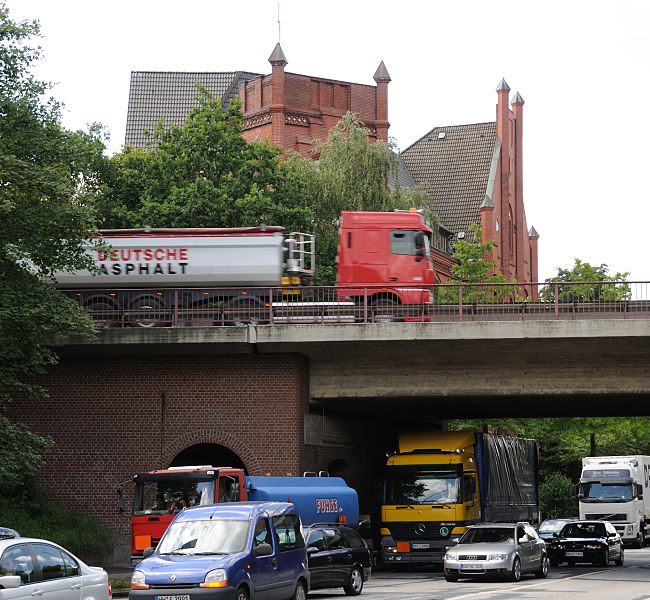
215	579
630	528
138	581
450	556
498	556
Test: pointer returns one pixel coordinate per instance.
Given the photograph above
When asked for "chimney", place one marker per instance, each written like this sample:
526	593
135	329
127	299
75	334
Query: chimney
278	62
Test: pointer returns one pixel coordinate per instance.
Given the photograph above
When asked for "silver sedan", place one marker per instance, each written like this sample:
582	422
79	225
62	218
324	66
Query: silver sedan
497	550
31	569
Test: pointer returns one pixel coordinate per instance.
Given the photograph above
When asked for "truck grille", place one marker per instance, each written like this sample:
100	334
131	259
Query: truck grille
606	517
415	530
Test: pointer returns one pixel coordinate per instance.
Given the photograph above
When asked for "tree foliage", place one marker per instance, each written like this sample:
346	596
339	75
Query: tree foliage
472	267
600	285
48	185
351	173
201	174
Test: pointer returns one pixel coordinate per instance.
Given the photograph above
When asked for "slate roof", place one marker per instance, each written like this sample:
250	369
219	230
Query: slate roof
400	177
156	95
454	169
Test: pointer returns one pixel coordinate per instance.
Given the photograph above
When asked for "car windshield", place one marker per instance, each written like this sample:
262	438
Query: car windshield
217	536
489	535
584	530
552	525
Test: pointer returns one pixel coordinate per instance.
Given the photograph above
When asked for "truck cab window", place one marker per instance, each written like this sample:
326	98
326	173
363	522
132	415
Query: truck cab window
408	242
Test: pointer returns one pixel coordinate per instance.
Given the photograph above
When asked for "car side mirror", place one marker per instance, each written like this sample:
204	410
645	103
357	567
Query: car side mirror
312	550
556	534
454	540
262	550
523	539
147	552
9	581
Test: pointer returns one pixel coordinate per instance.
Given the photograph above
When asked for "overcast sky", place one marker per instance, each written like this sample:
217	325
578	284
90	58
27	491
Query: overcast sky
581	66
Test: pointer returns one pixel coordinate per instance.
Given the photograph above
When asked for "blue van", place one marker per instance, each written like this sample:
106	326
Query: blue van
239	551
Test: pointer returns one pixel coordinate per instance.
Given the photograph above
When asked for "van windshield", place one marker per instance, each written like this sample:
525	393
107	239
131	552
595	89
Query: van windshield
217	536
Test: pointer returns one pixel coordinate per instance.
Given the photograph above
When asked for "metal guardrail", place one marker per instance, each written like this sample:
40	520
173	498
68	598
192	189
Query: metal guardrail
187	307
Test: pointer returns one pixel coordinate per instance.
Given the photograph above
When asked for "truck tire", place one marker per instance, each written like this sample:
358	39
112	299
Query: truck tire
243	312
149	312
355	585
384	310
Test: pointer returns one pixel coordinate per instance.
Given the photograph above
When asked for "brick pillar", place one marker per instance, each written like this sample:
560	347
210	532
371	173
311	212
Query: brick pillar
503	133
521	242
382	79
533	237
277	107
487	223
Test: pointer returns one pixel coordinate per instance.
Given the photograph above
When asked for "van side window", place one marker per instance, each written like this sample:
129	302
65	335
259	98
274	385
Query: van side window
262	533
287	531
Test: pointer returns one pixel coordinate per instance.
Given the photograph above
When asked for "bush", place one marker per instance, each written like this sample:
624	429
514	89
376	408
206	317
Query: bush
34	515
555	499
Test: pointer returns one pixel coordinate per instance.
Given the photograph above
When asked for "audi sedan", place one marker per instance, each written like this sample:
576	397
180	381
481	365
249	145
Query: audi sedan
497	550
595	542
31	568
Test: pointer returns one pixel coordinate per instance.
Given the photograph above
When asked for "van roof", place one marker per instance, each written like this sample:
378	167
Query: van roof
234	510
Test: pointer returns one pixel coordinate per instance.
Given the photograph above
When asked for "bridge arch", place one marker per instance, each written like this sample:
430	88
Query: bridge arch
190	443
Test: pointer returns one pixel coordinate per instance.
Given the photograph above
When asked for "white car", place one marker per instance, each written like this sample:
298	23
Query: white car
32	569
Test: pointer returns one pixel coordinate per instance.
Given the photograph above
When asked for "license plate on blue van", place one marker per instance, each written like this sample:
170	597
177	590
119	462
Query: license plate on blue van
174	597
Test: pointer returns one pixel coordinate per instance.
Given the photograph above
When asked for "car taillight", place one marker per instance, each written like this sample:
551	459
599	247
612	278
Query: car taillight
110	589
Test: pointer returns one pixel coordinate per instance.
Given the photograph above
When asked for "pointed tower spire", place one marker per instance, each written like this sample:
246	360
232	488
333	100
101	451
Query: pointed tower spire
518	99
503	85
532	233
487	202
381	74
277	56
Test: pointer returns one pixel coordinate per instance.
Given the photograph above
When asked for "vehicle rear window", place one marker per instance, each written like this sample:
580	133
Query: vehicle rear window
287	529
17	560
351	539
50	560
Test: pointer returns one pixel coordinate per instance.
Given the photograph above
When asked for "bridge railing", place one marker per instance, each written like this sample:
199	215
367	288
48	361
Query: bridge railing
186	307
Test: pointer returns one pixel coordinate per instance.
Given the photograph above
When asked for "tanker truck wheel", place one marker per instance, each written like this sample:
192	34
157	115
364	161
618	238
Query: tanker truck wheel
149	312
384	310
243	312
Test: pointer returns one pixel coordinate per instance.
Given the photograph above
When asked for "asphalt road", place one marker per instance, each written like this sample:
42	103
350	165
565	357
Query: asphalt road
584	582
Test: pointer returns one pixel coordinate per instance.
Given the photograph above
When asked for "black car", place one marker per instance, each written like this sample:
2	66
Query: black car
548	527
595	542
337	557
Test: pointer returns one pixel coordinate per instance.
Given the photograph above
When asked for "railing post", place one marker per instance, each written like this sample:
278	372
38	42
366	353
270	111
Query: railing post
175	319
365	305
557	300
270	306
460	302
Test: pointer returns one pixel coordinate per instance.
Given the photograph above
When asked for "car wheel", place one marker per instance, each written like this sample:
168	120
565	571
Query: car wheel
355	585
621	559
542	572
301	592
515	575
451	578
242	593
604	561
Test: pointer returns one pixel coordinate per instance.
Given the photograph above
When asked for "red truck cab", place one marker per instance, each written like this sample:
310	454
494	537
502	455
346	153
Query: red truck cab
159	495
378	249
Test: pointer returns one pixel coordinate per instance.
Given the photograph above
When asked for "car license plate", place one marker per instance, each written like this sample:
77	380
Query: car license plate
573	554
471	566
175	597
420	546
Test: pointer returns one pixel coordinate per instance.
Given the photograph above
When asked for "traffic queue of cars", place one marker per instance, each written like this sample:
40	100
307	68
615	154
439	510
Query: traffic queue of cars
512	549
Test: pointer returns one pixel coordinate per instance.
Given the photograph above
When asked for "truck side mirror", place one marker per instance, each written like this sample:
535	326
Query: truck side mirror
574	490
638	491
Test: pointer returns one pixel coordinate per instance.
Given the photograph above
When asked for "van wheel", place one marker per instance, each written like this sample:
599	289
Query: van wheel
242	594
301	592
354	587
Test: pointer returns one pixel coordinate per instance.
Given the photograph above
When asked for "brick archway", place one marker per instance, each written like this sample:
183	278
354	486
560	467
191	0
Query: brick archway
212	436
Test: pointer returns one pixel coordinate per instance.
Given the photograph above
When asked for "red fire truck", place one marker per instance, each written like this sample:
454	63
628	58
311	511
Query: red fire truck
160	495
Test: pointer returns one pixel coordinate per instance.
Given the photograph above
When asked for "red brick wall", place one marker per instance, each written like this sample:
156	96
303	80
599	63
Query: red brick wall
106	418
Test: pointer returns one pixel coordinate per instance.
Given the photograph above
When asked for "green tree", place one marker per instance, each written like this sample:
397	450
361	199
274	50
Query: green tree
472	267
202	174
48	184
555	498
351	173
600	285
